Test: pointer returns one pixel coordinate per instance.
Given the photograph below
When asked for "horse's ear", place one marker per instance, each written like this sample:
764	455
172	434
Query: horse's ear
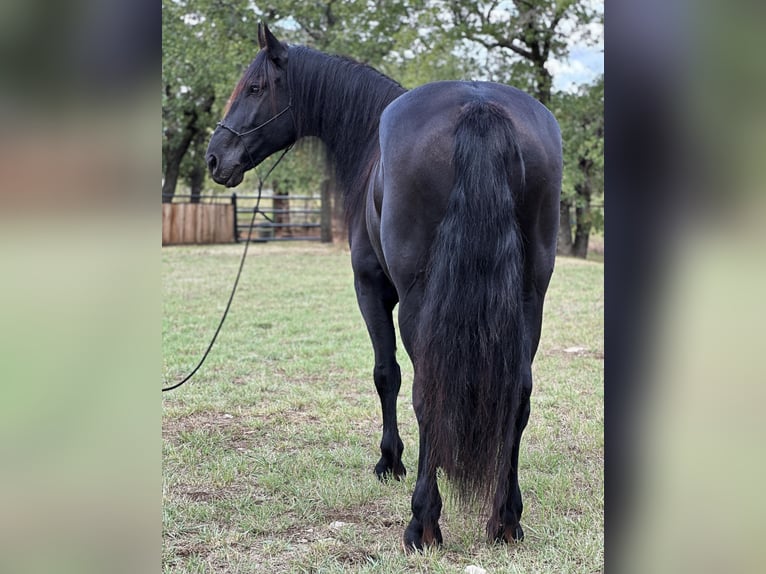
261	37
277	50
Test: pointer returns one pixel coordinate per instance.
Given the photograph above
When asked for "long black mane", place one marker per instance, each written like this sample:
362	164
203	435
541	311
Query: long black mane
340	101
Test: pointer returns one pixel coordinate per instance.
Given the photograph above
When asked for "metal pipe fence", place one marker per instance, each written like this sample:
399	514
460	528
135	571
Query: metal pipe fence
290	217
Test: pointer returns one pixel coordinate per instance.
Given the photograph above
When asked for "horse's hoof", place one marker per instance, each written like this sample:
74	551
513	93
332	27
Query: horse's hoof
386	472
410	546
510	534
416	538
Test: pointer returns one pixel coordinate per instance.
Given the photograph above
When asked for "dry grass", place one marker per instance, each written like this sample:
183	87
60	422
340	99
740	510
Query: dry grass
268	453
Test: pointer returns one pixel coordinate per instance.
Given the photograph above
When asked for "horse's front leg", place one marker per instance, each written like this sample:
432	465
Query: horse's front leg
377	297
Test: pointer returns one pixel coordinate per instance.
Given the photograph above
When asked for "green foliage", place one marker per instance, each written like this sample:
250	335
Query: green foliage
581	117
520	36
207	44
364	29
303	169
347	28
204	46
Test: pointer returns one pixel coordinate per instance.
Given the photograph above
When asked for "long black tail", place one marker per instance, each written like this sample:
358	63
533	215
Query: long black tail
470	341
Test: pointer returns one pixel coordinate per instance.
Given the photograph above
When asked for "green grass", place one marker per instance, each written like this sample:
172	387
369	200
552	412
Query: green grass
273	443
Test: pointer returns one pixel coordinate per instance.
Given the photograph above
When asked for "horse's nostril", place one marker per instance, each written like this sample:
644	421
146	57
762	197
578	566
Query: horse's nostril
212	161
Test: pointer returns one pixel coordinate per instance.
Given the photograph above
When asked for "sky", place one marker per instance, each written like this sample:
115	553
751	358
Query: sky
583	65
585	61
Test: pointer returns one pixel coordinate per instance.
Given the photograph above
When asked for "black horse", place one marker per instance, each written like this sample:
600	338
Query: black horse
451	192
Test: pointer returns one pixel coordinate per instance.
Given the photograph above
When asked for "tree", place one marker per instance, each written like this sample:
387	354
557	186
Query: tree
527	31
526	34
204	43
582	129
181	129
350	28
364	29
208	43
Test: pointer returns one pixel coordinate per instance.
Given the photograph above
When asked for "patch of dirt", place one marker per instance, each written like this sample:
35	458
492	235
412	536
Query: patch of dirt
194	549
237	434
172	427
578	352
373	514
356	557
196	493
293	416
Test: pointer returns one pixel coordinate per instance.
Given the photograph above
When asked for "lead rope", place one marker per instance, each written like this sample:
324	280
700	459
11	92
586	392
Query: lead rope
256	210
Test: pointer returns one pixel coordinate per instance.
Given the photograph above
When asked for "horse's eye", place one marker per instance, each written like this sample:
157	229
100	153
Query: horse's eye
256	90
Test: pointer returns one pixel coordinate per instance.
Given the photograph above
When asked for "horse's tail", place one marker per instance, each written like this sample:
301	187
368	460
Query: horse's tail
470	340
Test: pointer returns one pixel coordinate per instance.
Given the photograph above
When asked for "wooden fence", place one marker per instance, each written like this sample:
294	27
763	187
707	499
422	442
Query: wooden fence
184	223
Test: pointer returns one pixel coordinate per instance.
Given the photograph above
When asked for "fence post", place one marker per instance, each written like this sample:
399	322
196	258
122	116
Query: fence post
234	203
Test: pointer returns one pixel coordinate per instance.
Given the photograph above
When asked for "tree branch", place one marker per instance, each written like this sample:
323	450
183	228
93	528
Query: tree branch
330	16
485	18
316	36
502	44
529	55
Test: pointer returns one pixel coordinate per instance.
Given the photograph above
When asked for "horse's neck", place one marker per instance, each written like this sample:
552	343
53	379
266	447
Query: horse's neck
342	107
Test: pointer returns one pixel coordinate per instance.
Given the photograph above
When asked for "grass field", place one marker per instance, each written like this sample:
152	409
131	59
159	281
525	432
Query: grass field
268	453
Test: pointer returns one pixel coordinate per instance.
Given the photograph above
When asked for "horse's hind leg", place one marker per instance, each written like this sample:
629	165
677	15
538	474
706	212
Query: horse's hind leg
505	522
423	529
377	297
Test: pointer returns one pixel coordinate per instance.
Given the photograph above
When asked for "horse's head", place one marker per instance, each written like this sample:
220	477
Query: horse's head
258	119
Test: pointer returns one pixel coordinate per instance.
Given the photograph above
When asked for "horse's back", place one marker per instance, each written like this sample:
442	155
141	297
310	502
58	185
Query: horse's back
417	141
424	115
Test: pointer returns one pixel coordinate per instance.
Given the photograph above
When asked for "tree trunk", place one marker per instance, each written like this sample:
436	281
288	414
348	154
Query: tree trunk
338	213
196	180
198	169
582	233
544	83
173	158
326	217
583	220
169	182
564	246
174	149
339	227
281	211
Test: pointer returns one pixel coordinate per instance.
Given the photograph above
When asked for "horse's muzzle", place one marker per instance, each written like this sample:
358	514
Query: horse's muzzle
223	172
212	162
